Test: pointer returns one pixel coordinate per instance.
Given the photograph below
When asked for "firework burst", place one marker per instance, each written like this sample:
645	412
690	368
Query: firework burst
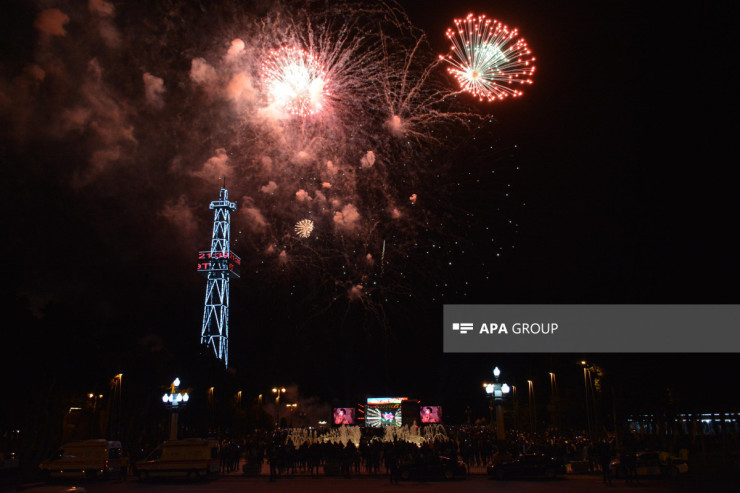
304	228
295	81
488	59
414	96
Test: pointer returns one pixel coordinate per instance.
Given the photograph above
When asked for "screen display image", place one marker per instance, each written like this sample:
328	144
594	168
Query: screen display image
344	416
384	411
431	414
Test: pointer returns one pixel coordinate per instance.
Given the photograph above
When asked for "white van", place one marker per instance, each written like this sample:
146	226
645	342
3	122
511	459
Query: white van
88	458
192	457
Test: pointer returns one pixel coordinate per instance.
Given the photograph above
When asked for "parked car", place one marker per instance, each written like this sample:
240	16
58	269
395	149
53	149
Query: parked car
192	457
434	467
527	466
652	463
88	458
8	461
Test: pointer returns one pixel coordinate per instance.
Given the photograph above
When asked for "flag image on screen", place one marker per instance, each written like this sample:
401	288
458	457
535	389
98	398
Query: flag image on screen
383	411
431	414
344	416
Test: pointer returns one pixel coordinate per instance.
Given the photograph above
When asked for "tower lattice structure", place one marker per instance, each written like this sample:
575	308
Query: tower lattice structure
218	265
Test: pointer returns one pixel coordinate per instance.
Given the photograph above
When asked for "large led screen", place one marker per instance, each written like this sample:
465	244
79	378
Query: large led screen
344	416
431	414
383	411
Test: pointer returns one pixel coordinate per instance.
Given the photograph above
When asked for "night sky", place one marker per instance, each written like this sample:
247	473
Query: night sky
610	184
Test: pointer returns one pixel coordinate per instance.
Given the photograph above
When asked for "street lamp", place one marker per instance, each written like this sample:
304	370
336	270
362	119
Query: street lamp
291	408
277	391
175	400
586	378
555	400
96	420
516	407
211	411
532	408
117	384
496	392
94	398
490	390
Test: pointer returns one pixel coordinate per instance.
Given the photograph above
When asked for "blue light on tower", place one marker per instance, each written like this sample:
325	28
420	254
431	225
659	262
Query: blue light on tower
218	265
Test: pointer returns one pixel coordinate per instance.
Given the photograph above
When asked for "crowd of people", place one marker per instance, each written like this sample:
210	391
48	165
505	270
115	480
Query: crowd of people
477	446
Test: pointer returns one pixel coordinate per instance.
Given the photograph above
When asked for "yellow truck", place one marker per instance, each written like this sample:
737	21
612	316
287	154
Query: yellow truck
192	457
87	458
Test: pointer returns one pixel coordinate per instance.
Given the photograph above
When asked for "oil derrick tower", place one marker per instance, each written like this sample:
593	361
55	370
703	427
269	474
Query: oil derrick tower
218	265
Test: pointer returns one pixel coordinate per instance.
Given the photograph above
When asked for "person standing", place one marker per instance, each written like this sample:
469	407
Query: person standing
123	473
395	468
605	460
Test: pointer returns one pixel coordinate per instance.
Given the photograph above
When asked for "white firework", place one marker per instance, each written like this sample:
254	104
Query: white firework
295	80
304	228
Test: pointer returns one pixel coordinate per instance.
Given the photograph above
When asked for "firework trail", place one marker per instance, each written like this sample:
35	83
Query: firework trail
488	59
413	93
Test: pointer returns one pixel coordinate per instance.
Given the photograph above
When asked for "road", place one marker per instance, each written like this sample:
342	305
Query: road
473	484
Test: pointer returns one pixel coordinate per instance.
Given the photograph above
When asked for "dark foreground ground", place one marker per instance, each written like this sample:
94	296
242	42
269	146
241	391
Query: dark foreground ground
472	484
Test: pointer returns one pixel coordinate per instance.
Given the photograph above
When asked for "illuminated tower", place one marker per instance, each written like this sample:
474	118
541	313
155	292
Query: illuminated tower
218	265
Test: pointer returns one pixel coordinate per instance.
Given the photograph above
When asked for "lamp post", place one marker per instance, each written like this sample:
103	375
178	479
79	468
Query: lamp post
586	376
555	400
211	411
516	407
489	390
117	384
277	391
496	392
97	424
532	408
175	400
94	398
291	408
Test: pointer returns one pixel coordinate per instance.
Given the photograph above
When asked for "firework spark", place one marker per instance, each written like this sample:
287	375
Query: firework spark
488	59
295	81
370	120
360	142
304	228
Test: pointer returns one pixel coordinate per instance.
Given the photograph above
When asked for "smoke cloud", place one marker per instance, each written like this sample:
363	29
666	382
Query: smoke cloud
255	220
367	160
347	218
216	167
51	22
201	72
240	88
101	8
269	188
154	90
104	12
180	214
302	196
236	49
